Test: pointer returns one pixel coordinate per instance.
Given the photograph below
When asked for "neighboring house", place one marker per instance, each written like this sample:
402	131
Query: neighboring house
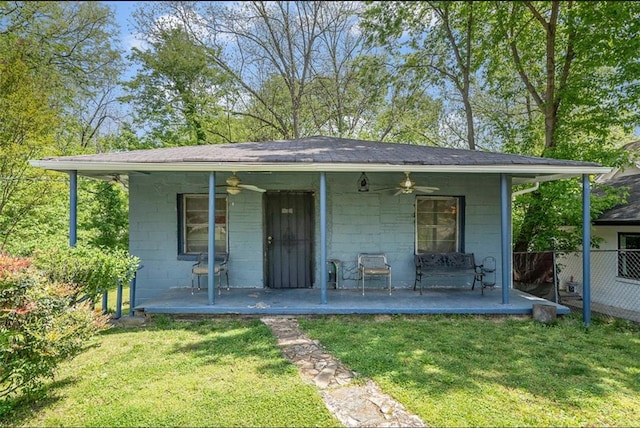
615	268
304	202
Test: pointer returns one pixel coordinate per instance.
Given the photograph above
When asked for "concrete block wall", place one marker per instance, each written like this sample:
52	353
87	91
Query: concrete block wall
356	222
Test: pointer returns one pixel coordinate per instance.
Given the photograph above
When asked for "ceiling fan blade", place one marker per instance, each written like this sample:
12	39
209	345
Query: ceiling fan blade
252	187
426	189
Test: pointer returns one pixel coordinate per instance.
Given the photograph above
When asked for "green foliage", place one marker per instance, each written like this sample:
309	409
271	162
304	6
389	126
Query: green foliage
547	229
40	325
90	270
106	219
537	228
176	90
55	60
572	64
443	57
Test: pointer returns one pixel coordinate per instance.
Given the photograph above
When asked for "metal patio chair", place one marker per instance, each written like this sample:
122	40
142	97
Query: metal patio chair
201	268
485	274
373	265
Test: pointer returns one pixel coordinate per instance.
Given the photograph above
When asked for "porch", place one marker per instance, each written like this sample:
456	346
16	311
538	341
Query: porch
344	301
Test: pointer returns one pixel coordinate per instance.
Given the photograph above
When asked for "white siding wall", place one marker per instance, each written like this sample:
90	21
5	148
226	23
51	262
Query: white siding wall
606	287
357	222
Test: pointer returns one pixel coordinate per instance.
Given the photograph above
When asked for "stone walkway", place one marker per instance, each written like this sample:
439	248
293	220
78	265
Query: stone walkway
355	405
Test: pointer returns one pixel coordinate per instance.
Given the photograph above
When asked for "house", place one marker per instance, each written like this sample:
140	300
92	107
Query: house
284	209
615	273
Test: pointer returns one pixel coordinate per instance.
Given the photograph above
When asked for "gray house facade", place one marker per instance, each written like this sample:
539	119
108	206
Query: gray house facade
296	213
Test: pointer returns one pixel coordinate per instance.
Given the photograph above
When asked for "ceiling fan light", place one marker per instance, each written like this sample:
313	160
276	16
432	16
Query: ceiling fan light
233	181
233	190
407	183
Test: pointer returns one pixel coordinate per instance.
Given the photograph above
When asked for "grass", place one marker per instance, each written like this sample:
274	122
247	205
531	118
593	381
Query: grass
474	371
449	370
112	299
211	373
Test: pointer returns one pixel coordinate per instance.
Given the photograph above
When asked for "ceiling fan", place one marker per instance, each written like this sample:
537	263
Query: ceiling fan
234	185
407	186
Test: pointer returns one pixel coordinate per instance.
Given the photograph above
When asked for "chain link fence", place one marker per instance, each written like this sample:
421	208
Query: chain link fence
557	276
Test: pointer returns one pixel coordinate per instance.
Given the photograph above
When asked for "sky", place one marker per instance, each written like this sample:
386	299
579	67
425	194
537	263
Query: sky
123	11
123	15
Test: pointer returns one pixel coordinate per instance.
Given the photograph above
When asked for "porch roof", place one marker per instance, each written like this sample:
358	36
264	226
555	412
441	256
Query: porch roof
321	153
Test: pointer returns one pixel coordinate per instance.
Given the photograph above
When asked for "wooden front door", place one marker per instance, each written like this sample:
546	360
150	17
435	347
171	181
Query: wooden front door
289	239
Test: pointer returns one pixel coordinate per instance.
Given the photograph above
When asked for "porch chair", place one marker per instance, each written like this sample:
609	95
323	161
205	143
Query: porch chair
486	274
373	265
201	268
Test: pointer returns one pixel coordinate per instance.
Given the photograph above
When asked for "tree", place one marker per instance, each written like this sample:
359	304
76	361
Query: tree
176	91
291	65
54	58
106	220
27	121
576	61
573	66
441	41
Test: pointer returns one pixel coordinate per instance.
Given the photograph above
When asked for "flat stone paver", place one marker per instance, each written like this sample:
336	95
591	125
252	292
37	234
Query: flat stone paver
353	405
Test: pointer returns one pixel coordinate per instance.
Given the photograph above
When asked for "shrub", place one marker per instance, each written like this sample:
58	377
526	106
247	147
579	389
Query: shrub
90	270
40	325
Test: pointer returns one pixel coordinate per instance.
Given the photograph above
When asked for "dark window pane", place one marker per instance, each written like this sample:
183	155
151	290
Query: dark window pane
437	224
195	227
629	261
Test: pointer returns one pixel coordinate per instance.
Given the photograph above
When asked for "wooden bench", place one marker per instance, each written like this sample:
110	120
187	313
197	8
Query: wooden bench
446	265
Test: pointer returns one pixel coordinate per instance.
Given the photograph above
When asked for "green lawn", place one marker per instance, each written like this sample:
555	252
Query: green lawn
209	373
450	370
472	371
112	299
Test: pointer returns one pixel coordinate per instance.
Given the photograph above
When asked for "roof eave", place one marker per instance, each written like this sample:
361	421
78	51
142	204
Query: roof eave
527	173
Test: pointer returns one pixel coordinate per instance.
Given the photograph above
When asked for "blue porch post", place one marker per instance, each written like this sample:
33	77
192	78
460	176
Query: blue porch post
323	238
505	235
586	250
212	238
73	208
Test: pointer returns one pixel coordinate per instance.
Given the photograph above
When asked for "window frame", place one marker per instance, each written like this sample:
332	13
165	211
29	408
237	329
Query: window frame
182	224
460	218
623	256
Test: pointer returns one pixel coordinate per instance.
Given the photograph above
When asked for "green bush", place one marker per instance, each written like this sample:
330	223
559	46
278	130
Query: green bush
90	270
40	325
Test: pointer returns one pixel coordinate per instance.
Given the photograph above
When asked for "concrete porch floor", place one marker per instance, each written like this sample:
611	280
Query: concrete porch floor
252	301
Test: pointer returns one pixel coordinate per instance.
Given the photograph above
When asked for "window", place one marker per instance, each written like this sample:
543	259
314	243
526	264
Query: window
193	223
438	224
629	261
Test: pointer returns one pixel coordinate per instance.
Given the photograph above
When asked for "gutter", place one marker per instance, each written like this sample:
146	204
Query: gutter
535	187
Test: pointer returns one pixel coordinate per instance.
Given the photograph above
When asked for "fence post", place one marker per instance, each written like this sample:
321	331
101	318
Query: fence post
105	303
119	300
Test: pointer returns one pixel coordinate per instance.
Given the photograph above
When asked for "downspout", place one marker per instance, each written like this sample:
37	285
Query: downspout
535	187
